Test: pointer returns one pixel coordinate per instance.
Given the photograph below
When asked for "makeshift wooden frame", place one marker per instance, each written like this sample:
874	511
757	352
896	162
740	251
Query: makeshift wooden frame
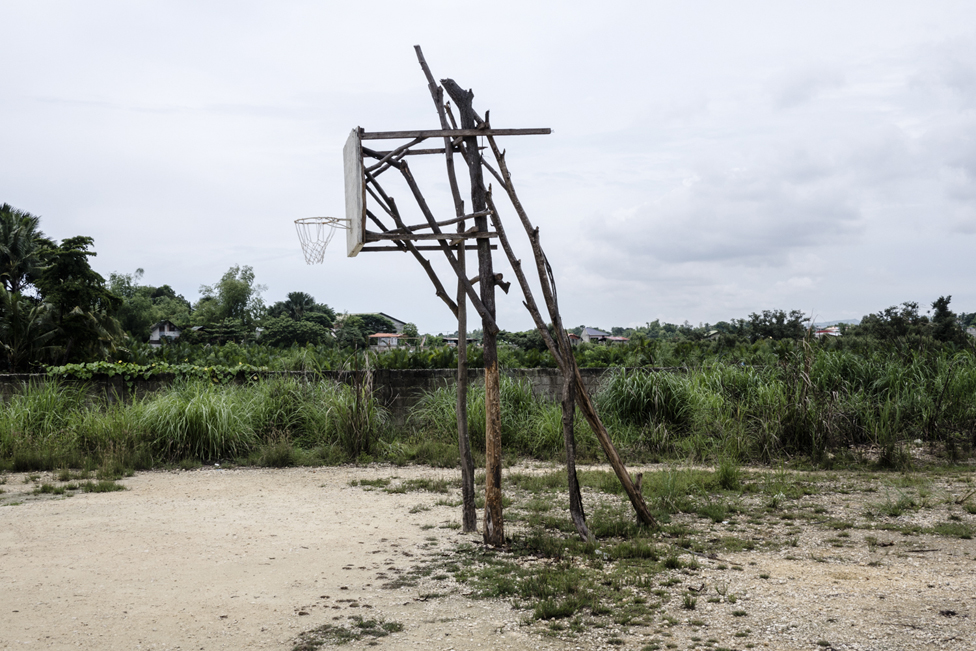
398	236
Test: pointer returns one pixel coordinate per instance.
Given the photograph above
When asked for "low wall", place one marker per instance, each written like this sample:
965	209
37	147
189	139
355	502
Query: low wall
401	390
398	390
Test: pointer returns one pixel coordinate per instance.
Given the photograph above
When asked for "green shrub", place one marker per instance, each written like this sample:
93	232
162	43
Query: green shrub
200	420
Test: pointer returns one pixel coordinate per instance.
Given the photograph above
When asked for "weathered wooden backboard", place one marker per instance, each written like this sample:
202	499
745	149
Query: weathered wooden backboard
352	163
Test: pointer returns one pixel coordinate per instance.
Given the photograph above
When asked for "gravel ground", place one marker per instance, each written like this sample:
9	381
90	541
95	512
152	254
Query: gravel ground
251	558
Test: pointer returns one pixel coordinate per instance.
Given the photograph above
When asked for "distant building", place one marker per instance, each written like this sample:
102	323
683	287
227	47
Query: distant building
453	341
385	340
163	330
397	323
831	331
594	336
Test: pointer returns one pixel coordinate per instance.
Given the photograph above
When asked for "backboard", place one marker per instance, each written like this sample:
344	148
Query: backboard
352	163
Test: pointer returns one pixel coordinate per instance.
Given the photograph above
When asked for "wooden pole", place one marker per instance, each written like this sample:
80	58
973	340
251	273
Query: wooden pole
494	527
469	517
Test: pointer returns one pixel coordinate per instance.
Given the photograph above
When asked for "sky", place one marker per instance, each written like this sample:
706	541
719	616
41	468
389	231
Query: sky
708	159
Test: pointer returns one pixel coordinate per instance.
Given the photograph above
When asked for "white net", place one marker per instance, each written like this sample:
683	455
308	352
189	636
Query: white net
315	233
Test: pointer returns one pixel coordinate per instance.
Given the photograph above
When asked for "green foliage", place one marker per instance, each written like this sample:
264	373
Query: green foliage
235	297
130	372
144	306
643	398
276	422
198	420
283	332
351	332
945	325
26	331
373	323
82	307
23	249
776	324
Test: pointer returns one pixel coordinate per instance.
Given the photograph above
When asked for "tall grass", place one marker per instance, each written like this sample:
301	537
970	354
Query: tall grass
811	402
200	420
278	422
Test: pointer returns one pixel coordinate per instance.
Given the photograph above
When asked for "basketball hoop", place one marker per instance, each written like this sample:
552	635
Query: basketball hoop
315	233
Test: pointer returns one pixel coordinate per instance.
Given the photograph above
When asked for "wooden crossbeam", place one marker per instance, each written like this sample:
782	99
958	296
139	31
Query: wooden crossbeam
447	222
413	237
421	247
451	133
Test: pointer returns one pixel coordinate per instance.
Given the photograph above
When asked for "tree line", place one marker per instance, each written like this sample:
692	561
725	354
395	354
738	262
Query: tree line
55	309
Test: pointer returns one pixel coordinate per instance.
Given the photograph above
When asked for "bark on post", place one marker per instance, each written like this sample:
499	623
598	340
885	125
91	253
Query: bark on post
469	518
569	438
494	528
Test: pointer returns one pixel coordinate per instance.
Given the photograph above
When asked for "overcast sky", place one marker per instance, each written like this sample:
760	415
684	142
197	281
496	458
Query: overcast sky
708	159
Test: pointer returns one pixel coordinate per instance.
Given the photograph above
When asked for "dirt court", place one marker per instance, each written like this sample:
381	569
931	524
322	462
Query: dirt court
250	558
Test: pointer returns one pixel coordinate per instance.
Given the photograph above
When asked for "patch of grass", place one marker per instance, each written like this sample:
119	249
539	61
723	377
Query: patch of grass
358	629
729	475
424	484
894	508
280	454
953	529
714	511
734	544
49	489
541	483
102	486
371	483
66	474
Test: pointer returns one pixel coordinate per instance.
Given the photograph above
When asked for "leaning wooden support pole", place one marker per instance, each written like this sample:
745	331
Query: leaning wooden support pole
569	438
589	412
562	340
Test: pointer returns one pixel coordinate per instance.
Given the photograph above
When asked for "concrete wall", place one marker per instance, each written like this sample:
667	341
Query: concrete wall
398	390
401	390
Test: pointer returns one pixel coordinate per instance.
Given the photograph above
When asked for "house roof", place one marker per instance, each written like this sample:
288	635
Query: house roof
160	324
379	335
593	332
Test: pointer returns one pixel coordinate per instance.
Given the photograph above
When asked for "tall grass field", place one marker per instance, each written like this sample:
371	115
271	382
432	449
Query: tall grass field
823	406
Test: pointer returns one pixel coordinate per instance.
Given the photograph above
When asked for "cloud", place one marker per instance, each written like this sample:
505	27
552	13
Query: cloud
754	217
799	86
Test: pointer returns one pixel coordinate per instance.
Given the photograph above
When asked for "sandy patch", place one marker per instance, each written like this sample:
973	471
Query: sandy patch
230	559
250	558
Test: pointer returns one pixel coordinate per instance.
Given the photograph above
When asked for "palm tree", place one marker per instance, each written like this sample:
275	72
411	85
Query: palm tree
26	328
298	304
22	248
295	307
